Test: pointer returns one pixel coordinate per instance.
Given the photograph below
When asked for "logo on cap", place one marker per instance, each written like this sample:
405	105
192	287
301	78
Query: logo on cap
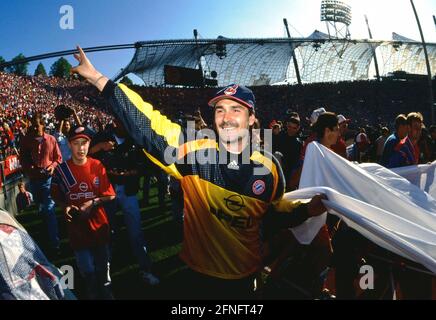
79	129
230	91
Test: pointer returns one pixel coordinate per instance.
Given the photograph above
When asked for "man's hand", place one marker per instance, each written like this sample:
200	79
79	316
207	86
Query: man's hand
87	70
68	216
50	169
315	206
107	145
86	207
102	146
113	172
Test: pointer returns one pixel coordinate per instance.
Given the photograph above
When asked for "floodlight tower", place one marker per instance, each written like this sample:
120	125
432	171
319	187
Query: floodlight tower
337	15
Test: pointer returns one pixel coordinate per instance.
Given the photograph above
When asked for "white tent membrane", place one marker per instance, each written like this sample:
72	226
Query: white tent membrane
380	204
267	61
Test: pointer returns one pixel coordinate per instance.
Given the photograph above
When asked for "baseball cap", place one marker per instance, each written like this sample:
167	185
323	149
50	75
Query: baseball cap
272	124
235	92
341	119
315	114
362	138
294	119
79	132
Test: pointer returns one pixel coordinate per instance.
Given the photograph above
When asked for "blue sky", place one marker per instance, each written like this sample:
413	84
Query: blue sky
32	27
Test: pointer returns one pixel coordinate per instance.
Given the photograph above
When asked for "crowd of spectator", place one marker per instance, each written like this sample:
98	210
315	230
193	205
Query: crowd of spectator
366	103
23	96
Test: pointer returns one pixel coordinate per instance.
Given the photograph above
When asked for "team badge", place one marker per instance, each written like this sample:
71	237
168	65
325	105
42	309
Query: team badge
96	181
258	187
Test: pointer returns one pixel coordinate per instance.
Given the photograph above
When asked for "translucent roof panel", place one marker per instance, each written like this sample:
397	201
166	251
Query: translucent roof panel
331	61
251	63
149	61
408	57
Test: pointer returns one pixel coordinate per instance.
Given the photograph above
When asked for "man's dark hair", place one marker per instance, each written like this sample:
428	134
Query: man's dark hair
294	120
325	120
400	120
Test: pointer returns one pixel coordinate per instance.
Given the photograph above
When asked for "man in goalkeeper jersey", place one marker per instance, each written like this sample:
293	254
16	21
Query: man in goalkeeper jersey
224	201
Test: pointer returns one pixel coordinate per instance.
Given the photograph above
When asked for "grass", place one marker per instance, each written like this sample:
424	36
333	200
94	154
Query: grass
163	242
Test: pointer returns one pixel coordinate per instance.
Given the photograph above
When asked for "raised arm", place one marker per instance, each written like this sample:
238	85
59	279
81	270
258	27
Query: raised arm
153	131
61	125
76	117
87	70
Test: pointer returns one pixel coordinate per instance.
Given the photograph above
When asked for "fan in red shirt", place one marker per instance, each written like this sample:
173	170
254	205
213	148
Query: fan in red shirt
81	185
340	147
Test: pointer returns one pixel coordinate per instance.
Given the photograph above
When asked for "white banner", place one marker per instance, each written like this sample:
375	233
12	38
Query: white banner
380	204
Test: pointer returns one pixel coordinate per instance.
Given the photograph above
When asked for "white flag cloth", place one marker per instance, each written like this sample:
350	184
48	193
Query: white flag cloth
377	202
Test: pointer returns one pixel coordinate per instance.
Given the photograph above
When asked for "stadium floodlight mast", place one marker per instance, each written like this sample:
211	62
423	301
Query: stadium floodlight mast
337	15
427	62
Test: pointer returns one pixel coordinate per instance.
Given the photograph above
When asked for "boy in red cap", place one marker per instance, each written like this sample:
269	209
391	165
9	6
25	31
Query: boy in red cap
81	185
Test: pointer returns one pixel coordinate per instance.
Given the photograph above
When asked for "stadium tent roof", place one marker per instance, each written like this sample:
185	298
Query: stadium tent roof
406	55
268	61
326	60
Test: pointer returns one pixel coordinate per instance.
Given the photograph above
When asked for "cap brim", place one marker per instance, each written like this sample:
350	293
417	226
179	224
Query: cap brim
215	100
80	136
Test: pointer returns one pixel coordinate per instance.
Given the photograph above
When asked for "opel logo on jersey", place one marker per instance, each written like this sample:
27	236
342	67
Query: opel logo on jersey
258	187
230	91
234	202
83	187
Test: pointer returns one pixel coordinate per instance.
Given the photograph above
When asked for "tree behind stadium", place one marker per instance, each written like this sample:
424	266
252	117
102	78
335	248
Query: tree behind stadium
2	61
19	69
127	81
61	68
40	70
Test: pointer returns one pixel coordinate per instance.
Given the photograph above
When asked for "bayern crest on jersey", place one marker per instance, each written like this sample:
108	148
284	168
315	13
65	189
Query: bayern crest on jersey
258	187
96	181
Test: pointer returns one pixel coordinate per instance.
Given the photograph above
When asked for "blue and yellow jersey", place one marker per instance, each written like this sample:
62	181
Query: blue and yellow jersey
223	203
